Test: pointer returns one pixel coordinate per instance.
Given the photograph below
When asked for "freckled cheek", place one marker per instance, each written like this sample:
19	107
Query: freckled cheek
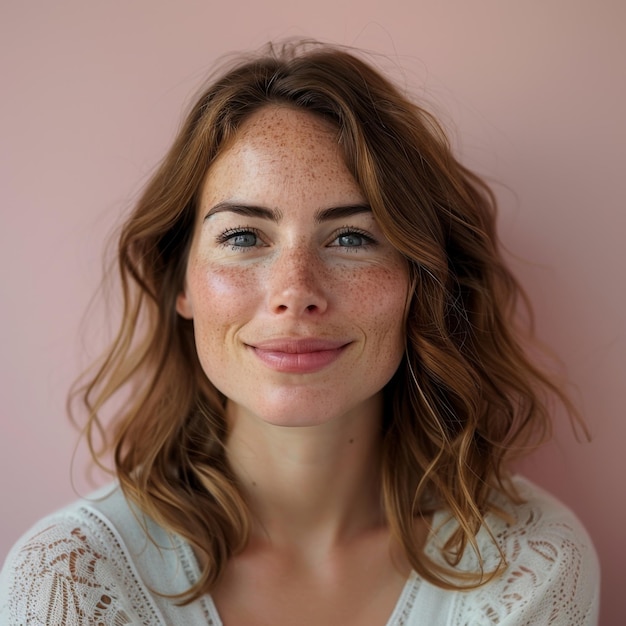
381	297
222	296
383	305
224	299
223	283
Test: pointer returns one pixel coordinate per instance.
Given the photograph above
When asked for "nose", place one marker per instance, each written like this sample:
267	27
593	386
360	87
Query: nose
296	284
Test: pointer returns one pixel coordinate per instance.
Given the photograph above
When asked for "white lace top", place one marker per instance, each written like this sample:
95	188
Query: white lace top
92	563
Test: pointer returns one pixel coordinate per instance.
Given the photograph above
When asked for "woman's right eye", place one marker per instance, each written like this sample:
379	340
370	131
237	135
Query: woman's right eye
239	238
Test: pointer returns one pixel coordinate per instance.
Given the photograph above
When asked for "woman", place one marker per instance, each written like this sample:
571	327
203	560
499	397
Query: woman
322	384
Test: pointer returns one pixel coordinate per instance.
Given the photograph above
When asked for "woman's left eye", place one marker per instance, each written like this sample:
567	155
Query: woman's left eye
352	239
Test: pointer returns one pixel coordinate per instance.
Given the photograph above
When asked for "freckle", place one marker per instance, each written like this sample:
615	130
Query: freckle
254	483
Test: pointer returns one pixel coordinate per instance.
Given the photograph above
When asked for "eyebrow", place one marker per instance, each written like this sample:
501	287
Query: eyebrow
338	212
251	210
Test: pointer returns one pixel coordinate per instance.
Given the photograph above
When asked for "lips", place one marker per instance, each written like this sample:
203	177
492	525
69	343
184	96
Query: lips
299	356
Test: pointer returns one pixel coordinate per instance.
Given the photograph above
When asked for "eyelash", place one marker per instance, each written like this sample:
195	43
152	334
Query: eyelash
230	233
368	240
224	237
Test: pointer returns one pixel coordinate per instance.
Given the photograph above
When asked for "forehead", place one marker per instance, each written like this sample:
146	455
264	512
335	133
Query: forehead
288	130
280	151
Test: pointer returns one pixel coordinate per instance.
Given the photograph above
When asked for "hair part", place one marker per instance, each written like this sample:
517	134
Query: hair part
465	397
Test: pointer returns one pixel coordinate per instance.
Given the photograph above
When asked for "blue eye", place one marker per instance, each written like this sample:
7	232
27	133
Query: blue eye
243	240
351	240
239	238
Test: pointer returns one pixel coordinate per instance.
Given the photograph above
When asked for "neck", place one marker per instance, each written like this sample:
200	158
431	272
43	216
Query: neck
311	484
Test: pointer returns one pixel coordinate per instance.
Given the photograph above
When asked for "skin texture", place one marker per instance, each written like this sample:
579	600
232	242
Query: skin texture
297	282
276	266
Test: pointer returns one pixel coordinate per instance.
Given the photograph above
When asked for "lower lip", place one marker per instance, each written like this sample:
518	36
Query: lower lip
298	363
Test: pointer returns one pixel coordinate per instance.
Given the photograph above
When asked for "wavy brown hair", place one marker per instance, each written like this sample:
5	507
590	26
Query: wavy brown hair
465	396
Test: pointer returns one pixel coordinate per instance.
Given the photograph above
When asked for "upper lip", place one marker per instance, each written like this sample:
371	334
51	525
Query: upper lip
302	345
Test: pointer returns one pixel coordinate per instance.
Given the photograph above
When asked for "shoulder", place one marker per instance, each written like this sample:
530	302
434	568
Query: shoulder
73	567
546	533
552	573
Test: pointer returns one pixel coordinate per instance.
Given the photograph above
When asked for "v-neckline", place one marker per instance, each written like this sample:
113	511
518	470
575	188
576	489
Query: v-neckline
401	609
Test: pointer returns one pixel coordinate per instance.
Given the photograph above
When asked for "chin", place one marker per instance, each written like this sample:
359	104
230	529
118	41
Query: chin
298	409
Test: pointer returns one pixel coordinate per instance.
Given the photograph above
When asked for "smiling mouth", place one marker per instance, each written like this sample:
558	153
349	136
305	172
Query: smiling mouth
299	356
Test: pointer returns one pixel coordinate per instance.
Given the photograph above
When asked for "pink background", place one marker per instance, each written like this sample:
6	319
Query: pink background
534	94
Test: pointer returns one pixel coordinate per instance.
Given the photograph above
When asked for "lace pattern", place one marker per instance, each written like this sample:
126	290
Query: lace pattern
82	567
552	575
75	572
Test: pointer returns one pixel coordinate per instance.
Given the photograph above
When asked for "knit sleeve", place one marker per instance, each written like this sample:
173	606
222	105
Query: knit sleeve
557	583
552	577
62	574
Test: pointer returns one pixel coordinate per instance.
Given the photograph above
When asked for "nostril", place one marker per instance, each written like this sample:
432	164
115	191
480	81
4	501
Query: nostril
297	295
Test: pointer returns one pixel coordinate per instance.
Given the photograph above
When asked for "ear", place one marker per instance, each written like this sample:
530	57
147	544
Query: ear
184	307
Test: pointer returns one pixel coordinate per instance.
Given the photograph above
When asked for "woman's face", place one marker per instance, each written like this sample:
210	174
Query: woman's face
297	298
